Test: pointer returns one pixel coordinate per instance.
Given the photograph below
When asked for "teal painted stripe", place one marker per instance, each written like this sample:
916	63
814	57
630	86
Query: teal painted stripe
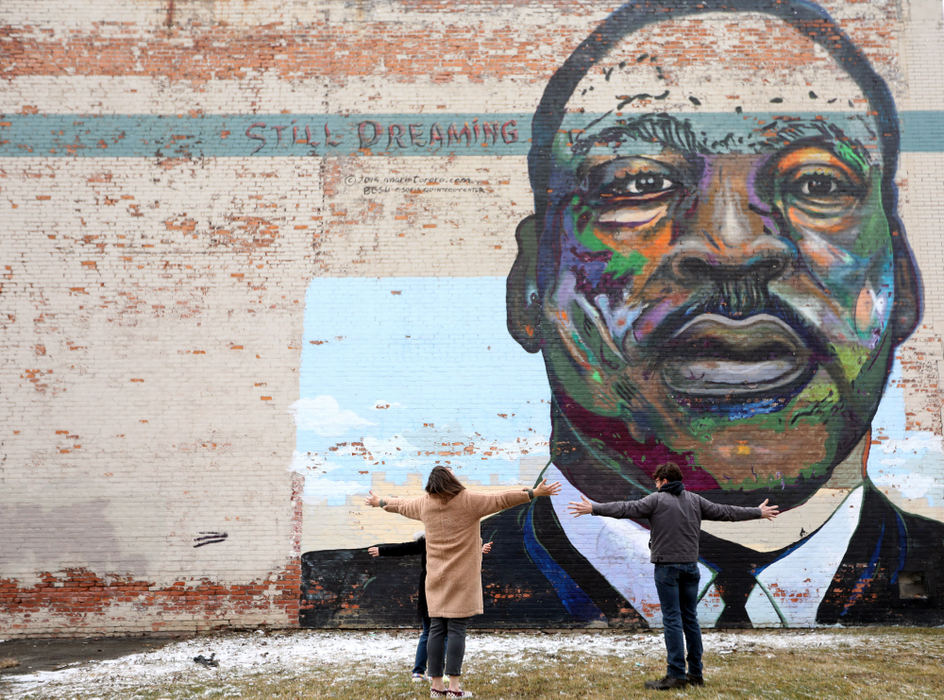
171	136
922	131
184	136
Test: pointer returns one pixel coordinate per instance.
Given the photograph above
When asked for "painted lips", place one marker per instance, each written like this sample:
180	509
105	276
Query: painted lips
714	356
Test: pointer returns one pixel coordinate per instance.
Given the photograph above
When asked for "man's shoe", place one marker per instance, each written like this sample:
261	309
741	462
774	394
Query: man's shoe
667	682
418	678
695	680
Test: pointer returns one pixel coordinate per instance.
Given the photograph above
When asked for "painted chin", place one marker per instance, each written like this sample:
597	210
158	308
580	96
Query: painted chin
714	362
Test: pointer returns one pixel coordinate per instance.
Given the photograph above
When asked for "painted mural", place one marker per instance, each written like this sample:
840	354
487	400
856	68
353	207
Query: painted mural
714	277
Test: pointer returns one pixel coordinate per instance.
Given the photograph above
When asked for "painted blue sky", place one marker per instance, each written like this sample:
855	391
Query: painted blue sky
412	368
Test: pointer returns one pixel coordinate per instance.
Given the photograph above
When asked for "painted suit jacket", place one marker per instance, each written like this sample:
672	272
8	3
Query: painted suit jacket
892	572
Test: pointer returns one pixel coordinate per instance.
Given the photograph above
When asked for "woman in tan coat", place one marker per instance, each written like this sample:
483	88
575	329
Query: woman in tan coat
451	515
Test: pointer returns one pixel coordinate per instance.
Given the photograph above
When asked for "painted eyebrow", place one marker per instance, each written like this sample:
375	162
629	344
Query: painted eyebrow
665	130
783	132
659	129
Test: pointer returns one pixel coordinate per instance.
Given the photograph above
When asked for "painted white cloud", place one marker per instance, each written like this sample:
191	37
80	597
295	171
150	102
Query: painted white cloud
900	464
393	446
528	445
382	405
307	462
323	415
916	443
320	489
909	485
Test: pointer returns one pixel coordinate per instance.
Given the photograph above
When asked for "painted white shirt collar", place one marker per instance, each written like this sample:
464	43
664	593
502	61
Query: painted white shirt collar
787	592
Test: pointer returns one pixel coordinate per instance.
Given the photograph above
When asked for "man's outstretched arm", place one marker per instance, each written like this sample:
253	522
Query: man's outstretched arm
716	511
614	509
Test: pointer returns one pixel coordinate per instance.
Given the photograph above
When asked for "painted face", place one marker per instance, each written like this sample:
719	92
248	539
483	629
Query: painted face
716	268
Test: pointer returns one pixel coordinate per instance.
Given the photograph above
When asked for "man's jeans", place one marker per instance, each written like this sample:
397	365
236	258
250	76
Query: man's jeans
677	585
419	663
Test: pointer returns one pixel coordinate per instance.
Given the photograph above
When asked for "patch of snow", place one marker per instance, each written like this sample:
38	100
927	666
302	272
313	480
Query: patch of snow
243	654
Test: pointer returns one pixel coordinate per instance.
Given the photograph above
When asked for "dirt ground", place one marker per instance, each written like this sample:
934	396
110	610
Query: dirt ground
34	655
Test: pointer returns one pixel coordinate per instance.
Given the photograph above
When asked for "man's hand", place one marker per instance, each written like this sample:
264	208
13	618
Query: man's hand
585	507
546	489
373	501
486	548
373	551
769	512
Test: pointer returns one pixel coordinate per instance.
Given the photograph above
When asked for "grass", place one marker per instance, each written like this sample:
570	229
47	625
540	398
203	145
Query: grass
863	663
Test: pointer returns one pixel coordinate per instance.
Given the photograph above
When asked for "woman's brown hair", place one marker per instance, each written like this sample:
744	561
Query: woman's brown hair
443	484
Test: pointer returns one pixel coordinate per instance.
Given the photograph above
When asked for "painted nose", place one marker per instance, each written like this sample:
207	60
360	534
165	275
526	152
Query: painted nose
730	235
762	267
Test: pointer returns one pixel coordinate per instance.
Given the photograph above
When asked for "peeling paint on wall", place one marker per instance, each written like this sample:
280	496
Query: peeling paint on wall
255	262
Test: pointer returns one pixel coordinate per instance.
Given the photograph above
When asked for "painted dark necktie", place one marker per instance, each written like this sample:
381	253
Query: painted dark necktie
736	579
734	586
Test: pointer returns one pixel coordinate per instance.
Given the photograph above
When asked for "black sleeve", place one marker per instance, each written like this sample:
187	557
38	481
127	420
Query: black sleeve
402	549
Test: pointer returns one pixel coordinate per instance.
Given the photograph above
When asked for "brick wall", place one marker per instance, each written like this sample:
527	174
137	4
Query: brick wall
216	215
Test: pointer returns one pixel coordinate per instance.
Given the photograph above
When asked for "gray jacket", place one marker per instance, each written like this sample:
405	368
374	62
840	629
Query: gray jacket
674	516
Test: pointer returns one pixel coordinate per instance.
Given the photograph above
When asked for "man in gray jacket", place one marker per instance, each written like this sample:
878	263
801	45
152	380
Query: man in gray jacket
675	516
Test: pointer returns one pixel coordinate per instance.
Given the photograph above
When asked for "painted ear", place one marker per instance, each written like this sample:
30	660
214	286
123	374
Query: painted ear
907	309
522	300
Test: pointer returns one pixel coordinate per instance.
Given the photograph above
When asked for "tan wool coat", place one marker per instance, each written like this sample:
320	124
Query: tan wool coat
454	545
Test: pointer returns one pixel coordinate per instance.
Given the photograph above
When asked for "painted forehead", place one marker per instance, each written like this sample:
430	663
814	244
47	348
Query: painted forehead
716	83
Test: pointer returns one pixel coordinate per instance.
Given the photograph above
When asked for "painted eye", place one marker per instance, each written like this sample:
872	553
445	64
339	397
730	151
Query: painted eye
631	192
817	186
822	190
638	185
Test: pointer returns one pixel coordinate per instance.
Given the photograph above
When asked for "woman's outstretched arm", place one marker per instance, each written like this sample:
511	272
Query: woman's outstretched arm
488	503
408	507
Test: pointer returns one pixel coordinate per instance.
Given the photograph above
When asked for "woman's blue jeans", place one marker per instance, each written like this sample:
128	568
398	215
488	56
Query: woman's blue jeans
677	586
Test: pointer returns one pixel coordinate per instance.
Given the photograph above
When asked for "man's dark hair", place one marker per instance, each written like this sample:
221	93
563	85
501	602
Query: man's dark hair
443	483
669	471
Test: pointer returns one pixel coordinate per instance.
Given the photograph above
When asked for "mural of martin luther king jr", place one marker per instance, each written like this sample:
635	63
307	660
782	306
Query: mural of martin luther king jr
715	275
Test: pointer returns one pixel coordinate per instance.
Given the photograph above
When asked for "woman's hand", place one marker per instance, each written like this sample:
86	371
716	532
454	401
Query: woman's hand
546	489
373	501
584	507
373	551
